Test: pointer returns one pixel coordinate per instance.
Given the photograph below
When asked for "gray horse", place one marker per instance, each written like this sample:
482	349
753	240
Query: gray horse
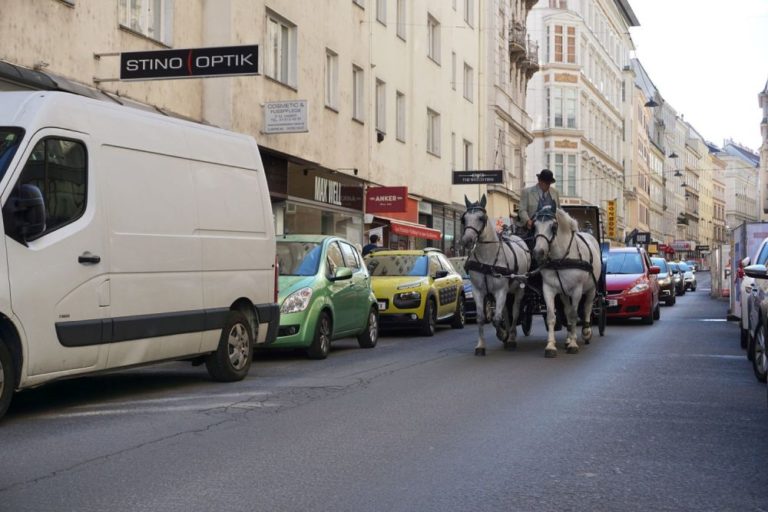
495	266
571	264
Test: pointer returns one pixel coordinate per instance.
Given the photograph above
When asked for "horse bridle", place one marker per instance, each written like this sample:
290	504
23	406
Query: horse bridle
478	232
546	215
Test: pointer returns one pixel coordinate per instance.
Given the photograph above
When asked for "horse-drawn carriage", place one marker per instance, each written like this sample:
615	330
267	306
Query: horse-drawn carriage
565	264
588	218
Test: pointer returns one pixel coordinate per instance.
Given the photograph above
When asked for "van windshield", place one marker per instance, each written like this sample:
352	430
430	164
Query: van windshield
10	139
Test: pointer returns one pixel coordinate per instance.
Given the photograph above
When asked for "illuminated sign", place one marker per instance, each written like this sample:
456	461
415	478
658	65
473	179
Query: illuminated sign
610	225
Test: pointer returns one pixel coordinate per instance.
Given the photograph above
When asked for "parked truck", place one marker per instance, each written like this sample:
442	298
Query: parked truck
746	240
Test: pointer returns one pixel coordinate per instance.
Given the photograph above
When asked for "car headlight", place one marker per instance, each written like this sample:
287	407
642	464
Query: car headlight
408	296
638	288
297	301
665	281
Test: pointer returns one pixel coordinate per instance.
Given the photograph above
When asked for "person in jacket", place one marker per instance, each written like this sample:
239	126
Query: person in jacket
536	197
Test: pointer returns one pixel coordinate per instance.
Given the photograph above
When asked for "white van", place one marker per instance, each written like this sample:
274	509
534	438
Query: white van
130	238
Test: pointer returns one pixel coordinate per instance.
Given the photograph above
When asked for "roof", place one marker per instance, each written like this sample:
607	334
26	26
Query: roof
742	152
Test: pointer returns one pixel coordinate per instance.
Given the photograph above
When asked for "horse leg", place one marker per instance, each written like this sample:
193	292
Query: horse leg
571	305
549	299
480	347
500	297
586	329
517	297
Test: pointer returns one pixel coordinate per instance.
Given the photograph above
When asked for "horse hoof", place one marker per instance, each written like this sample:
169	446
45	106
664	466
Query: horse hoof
550	352
510	345
572	350
479	351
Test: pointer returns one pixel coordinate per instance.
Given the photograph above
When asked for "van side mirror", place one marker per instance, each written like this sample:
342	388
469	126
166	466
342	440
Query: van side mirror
24	213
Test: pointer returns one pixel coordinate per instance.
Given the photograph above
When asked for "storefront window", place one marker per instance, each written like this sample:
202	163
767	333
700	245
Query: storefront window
304	219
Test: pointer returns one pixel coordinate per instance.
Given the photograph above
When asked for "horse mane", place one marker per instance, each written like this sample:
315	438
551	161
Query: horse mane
564	219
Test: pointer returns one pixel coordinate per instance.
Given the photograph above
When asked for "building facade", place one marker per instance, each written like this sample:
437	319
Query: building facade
578	100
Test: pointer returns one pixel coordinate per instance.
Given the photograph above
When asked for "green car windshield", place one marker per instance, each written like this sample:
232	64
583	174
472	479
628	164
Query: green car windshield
298	258
398	265
624	263
9	143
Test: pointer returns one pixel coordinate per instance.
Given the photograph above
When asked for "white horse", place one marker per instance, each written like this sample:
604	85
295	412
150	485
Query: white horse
493	264
571	263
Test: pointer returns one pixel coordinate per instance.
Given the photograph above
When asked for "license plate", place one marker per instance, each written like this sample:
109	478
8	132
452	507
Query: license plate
382	305
612	302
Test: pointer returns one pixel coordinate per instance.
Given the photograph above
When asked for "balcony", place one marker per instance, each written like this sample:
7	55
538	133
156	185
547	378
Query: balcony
517	36
531	61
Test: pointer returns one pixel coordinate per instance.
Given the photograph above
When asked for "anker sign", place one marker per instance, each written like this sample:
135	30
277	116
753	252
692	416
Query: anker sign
190	63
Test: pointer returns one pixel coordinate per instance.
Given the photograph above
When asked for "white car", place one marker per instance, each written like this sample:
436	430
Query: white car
689	276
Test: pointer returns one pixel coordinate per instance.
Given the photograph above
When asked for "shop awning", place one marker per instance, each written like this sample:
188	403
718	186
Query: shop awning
403	228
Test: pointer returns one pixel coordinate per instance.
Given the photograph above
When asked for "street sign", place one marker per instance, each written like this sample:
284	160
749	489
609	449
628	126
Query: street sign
702	248
643	238
285	117
190	63
477	177
610	225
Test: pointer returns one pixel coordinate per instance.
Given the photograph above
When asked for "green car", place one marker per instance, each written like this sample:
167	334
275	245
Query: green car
325	294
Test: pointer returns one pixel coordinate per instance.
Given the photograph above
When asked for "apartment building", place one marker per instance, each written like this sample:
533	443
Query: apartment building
742	183
510	59
580	99
383	93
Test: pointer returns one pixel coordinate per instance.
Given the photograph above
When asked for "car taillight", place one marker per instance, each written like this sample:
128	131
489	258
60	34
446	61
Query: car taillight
277	273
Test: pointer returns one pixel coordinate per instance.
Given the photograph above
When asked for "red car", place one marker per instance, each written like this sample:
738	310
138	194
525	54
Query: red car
631	284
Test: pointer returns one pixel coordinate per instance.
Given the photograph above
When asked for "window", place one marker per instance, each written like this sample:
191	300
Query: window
565	49
381	106
401	19
281	50
433	38
331	79
381	11
358	93
400	121
150	18
453	151
57	168
433	132
561	107
467	155
351	258
334	260
468	82
469	12
564	169
359	3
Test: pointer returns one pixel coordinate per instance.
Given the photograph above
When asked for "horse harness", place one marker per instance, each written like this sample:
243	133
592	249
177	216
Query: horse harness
493	269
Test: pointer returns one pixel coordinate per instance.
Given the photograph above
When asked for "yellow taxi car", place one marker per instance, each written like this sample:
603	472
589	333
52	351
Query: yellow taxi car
416	288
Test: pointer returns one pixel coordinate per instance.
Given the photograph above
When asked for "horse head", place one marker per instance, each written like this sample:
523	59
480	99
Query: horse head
473	222
545	228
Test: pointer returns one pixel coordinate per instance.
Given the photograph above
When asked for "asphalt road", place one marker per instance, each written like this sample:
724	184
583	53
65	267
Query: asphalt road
662	417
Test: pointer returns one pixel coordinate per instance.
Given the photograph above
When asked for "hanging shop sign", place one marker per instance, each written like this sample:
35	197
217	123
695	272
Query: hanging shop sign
643	237
190	63
610	225
386	199
477	177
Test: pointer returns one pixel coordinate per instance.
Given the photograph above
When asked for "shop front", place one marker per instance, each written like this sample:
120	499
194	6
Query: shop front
311	200
402	222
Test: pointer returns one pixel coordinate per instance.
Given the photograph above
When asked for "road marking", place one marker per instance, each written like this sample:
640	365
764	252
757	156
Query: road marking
157	410
713	320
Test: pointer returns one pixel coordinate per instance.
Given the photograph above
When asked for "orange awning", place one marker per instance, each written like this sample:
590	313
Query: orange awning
403	228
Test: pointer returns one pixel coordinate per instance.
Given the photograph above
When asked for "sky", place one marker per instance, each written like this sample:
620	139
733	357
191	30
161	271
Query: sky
709	61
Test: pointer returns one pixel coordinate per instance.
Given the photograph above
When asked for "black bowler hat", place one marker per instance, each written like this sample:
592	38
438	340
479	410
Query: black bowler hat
546	176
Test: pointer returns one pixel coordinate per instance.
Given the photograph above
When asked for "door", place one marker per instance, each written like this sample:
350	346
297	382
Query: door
361	287
58	273
342	292
444	286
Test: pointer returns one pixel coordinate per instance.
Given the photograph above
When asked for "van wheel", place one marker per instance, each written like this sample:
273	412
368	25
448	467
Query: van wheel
232	358
7	378
321	343
370	335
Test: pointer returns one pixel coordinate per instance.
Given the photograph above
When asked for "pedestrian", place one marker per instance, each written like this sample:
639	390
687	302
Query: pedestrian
536	197
374	238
